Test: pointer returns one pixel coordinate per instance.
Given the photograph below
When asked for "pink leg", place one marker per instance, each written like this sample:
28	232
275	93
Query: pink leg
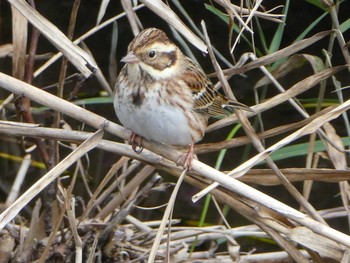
135	141
186	159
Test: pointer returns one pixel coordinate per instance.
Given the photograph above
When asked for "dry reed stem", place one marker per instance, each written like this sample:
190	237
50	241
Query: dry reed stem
126	191
36	188
102	11
293	91
76	56
256	141
132	17
206	171
305	130
268	15
92	31
162	10
283	226
254	176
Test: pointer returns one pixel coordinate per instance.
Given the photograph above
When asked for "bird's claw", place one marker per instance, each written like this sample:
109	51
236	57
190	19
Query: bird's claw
135	141
186	159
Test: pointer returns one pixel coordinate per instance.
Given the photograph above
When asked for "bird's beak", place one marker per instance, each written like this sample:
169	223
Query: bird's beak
130	58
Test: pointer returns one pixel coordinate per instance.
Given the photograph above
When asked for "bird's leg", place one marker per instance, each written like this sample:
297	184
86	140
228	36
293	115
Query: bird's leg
186	159
135	141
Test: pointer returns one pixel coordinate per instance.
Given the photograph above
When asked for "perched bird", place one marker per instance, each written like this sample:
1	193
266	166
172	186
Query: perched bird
164	96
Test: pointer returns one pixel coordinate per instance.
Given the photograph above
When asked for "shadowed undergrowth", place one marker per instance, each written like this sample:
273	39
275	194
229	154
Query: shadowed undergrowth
75	191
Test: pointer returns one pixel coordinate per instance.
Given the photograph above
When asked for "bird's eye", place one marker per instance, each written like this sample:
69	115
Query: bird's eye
152	54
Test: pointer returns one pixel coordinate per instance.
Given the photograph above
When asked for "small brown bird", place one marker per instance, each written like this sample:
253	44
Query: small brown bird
164	96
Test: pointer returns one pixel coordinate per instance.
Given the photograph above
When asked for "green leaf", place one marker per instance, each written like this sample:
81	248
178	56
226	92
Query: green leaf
313	102
88	101
301	149
345	25
277	38
317	3
218	13
310	27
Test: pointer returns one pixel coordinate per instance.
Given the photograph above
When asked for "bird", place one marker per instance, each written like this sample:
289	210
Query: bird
163	95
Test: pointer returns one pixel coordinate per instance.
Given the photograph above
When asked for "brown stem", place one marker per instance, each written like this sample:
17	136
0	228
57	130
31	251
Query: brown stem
23	103
31	53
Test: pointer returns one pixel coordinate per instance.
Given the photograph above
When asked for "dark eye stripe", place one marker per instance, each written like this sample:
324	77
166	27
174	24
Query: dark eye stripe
171	56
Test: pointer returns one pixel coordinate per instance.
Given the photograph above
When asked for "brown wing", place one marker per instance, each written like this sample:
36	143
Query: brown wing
206	99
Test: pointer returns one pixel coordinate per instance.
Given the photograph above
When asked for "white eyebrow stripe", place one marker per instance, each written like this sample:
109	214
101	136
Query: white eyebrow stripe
163	47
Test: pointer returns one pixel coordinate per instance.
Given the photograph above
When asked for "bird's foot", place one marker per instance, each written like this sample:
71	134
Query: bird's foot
135	141
186	159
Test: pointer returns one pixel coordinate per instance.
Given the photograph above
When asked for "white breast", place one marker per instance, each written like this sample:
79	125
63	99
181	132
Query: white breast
159	121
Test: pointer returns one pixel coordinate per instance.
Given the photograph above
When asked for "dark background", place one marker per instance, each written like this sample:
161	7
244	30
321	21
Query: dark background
301	14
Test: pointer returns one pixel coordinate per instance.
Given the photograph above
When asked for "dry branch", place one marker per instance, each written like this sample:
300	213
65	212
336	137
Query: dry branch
76	55
206	171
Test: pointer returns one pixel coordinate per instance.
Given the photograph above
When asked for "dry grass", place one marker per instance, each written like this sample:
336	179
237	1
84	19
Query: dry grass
103	227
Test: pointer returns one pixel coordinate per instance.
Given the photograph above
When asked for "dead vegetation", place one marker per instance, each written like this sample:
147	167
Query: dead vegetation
63	227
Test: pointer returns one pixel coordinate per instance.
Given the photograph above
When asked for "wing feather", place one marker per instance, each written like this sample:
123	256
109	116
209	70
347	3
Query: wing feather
206	99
